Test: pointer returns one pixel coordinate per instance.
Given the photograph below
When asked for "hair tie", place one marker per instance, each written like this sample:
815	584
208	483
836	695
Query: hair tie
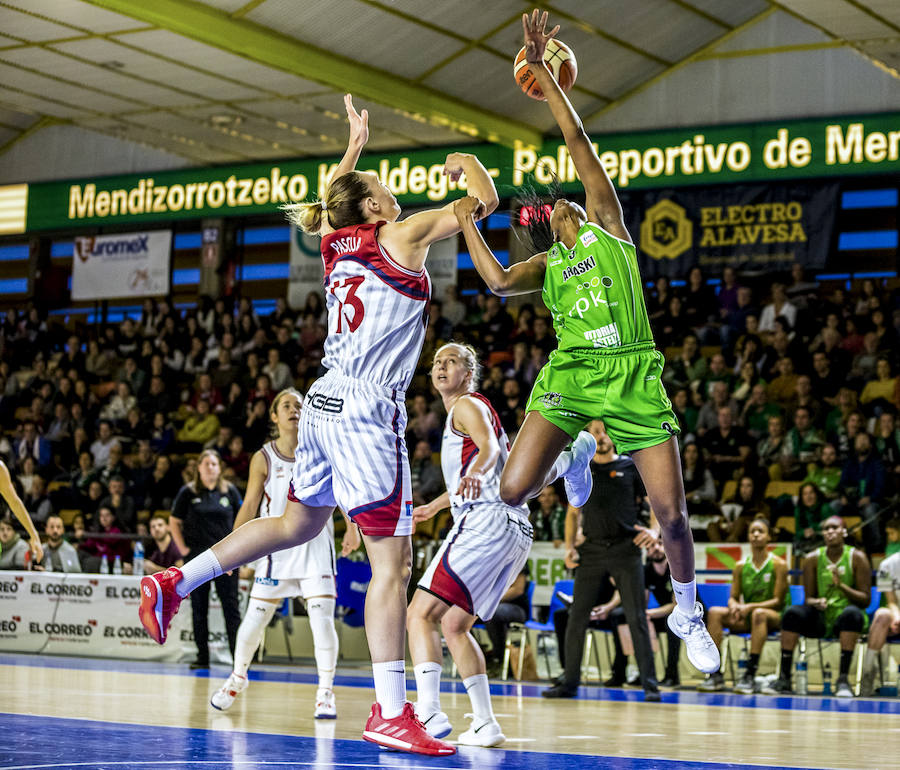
324	207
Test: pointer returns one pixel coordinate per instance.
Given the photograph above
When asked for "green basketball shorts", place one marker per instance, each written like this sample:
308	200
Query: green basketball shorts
622	388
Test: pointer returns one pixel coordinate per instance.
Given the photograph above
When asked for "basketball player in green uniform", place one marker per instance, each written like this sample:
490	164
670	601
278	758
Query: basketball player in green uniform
759	587
838	582
606	366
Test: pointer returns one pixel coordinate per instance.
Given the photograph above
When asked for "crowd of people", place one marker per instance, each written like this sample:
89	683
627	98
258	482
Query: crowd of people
107	420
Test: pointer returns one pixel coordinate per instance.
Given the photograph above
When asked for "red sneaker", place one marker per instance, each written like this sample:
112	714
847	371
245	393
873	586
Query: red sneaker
159	602
404	733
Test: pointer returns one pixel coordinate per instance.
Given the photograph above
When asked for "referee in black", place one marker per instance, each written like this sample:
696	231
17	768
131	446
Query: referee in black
203	513
613	538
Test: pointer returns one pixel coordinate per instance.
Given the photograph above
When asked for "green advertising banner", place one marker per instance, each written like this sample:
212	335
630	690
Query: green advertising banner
742	153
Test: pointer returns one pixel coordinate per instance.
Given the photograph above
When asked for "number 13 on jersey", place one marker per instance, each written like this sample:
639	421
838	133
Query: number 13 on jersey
353	316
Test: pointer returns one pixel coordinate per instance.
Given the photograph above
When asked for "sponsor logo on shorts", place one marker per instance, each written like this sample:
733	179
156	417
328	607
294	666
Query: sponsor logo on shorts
667	427
265	581
604	337
551	399
409	508
322	403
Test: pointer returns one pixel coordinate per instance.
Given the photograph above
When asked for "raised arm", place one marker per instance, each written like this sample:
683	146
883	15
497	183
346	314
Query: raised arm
602	203
408	240
520	278
359	135
256	481
8	492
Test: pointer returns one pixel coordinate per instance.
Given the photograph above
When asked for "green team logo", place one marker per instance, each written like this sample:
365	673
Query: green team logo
666	232
551	399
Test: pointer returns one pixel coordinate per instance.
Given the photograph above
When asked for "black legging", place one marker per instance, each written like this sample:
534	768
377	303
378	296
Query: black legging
227	589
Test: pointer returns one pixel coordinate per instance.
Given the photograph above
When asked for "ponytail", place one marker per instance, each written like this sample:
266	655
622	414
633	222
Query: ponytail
341	206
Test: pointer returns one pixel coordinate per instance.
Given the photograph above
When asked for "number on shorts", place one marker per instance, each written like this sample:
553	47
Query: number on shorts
351	284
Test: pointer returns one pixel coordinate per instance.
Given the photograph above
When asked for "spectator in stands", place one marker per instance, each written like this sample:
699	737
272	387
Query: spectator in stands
235	411
781	389
256	426
104	540
717	371
423	424
37	501
886	439
72	357
727	447
117	407
425	476
844	436
89	504
865	362
511	407
825	473
810	511
162	434
887	336
771	449
687	414
727	295
802	444
658	298
163	486
862	489
672	325
198	428
32	444
803	396
736	321
59	555
133	429
60	429
120	504
165	553
261	387
699	490
739	512
688	367
747	378
133	376
221	440
496	325
548	516
708	416
825	380
543	336
115	464
12	547
104	442
779	306
140	472
878	393
759	587
837	579
699	303
204	390
279	372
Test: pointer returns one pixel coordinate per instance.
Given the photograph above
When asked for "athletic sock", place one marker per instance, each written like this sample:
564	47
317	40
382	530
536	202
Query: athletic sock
752	663
325	638
428	687
869	660
846	657
390	687
685	595
198	571
480	695
787	660
559	468
250	633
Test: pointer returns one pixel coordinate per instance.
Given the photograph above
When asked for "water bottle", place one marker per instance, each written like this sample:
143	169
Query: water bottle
138	563
117	565
104	565
802	683
742	664
826	679
889	689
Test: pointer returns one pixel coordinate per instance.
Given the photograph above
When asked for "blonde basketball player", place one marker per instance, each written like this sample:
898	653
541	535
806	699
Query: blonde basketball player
483	553
351	451
306	570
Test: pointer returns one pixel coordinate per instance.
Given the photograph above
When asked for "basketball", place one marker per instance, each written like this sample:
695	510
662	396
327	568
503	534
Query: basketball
561	61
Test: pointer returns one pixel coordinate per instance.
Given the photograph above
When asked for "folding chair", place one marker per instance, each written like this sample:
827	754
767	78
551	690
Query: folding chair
542	629
522	629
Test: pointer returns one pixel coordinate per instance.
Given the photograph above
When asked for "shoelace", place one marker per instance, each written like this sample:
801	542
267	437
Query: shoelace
410	714
696	626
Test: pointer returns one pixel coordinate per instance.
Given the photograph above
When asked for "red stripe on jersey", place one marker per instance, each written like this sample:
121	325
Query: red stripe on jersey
359	243
469	450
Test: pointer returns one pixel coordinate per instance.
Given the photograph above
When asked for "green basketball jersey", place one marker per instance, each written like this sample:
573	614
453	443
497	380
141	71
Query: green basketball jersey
836	599
594	293
758	585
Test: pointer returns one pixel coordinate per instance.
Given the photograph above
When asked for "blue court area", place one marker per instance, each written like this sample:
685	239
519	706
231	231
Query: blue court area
47	742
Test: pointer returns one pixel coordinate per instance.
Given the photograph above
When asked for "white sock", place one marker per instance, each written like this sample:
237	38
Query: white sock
198	571
685	595
428	686
250	633
480	694
325	638
390	687
869	660
559	468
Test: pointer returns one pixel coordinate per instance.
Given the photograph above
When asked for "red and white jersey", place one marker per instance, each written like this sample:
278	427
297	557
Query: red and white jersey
311	559
377	310
458	452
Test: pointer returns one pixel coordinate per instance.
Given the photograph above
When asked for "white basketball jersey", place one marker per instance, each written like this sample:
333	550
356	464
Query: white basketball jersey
458	452
377	310
312	559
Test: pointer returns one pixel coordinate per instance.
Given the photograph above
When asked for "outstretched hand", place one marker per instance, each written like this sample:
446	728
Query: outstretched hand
468	207
535	38
359	123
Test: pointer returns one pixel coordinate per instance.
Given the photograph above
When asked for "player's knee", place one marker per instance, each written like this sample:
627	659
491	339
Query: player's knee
513	491
793	620
759	617
454	626
673	519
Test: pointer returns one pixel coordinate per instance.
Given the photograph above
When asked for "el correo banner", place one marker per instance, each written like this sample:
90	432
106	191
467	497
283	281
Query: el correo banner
759	152
748	227
122	265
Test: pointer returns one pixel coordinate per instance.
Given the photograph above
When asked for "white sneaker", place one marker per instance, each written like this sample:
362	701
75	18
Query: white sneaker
325	708
484	733
701	650
578	481
225	695
843	689
437	724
